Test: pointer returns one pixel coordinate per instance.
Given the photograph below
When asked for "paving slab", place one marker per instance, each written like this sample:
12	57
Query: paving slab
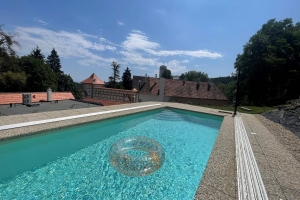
278	167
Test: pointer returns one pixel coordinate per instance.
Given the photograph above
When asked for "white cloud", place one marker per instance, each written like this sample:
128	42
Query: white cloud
136	58
120	23
198	53
137	50
141	68
139	41
41	21
175	67
104	40
68	44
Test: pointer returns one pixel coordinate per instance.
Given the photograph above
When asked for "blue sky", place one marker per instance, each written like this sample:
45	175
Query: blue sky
201	35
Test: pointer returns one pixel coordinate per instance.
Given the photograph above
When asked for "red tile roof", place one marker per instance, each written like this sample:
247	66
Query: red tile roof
93	79
178	88
7	98
103	102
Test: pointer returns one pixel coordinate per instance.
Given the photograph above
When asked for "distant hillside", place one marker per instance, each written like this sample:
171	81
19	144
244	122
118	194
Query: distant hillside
225	79
78	85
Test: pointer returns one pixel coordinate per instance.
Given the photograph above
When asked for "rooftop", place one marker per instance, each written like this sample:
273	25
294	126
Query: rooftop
178	88
16	97
18	109
93	79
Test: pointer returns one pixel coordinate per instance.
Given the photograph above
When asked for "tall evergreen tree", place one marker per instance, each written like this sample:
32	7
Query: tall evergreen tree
54	62
126	79
37	53
116	73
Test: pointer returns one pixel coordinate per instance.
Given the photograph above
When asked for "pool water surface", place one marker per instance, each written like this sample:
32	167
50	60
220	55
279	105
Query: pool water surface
72	163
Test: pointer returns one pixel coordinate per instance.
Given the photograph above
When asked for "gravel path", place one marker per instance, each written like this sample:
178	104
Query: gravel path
285	137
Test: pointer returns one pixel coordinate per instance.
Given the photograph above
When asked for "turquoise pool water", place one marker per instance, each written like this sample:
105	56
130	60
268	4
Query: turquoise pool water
72	163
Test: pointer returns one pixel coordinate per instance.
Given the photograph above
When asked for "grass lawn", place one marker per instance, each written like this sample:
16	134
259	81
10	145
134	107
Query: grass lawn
254	109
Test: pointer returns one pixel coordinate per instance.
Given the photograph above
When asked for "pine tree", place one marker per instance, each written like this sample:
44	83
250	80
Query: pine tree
126	78
37	53
116	73
54	62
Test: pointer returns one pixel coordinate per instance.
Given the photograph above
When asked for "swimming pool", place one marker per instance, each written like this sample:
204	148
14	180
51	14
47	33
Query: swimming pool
73	162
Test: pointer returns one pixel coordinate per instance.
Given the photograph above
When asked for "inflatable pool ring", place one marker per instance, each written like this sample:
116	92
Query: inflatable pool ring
136	156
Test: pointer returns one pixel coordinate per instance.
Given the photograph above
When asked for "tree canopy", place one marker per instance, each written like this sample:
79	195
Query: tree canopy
39	75
194	76
270	64
31	73
37	53
126	79
167	74
54	62
7	42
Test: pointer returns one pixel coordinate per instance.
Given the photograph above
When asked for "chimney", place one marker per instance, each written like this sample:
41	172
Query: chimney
198	85
208	87
161	70
161	89
49	94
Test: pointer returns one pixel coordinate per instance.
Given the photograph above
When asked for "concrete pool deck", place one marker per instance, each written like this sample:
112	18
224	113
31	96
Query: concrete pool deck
280	170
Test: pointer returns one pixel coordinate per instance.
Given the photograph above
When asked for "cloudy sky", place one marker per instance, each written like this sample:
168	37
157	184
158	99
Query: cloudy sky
201	35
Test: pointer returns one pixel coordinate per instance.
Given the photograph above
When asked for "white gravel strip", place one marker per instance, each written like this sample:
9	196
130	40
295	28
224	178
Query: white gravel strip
250	184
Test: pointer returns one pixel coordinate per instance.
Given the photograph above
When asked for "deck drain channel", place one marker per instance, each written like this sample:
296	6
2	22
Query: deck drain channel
250	184
70	117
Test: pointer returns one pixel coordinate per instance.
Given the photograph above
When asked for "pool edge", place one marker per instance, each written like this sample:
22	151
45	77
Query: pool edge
208	181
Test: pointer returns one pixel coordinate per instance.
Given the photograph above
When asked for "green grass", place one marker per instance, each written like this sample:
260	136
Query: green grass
254	109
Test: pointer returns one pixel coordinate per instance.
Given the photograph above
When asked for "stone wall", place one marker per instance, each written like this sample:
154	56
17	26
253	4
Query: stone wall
114	95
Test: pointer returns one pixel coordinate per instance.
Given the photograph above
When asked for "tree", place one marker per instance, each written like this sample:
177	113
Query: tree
116	73
7	42
270	64
65	83
37	53
54	62
167	74
194	76
39	75
221	79
126	79
7	54
12	81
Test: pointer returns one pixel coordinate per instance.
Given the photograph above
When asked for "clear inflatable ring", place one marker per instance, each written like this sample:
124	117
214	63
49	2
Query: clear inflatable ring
136	156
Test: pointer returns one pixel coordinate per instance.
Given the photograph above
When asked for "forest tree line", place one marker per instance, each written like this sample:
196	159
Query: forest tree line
33	72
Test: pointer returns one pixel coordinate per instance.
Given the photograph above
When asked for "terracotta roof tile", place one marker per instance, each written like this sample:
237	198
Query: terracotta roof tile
178	88
93	79
7	98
